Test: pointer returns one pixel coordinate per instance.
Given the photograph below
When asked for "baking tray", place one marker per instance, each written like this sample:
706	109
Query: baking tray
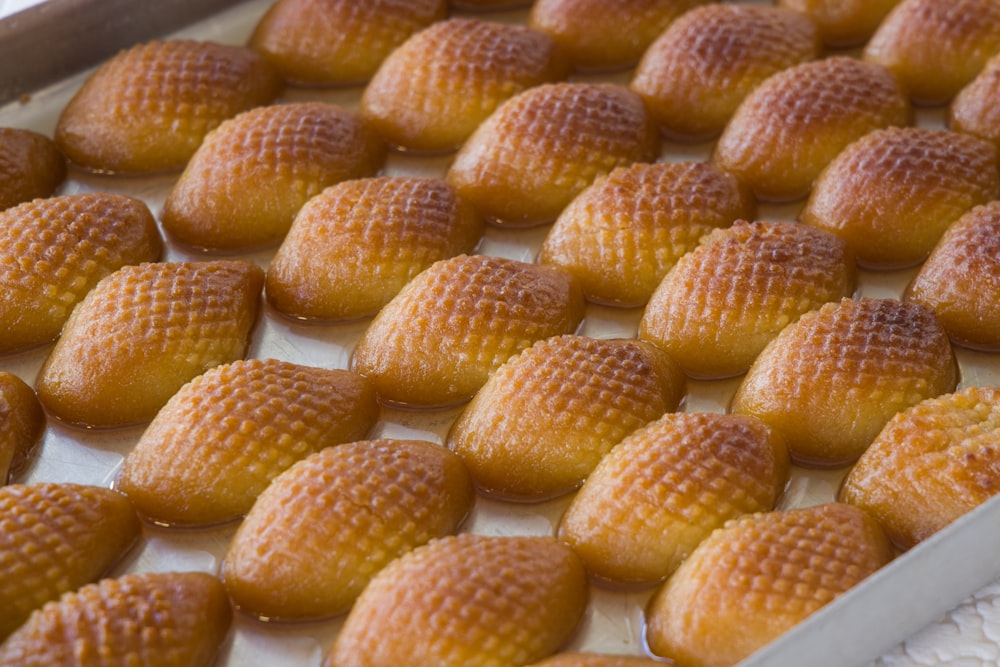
45	54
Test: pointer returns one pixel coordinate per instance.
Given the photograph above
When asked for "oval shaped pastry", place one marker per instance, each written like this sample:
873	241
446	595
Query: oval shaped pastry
727	299
598	34
22	422
149	107
327	525
142	333
338	42
432	92
830	381
467	600
152	619
439	339
698	71
622	234
354	246
965	34
248	180
57	538
542	147
960	281
237	427
892	193
666	487
976	107
759	576
31	166
931	464
545	419
54	251
843	23
793	124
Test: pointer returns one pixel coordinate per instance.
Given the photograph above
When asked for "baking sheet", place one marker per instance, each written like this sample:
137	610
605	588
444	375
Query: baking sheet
871	619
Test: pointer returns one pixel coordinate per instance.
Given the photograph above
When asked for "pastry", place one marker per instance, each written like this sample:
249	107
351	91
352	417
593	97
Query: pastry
22	422
892	193
54	251
328	524
432	92
466	601
726	300
843	23
436	343
545	419
976	107
142	333
31	166
542	147
354	246
575	659
830	381
148	108
793	124
248	180
237	427
758	577
622	234
699	70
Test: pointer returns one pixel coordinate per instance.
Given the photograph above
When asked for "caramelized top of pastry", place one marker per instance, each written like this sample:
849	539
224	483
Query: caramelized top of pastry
31	166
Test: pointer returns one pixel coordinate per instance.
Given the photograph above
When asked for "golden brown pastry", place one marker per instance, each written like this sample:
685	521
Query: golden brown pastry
354	246
960	281
22	422
892	193
696	73
545	419
758	577
432	92
338	42
488	5
542	147
328	524
931	464
829	382
152	619
843	23
439	339
575	659
237	427
248	180
976	107
936	47
31	166
622	234
148	108
142	333
54	251
666	487
792	125
466	601
726	300
56	538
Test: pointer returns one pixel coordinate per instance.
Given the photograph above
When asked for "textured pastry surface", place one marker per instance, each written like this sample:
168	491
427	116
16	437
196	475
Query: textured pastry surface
338	42
236	427
792	125
699	70
153	619
467	601
56	538
976	107
355	245
22	422
622	234
440	338
142	333
892	193
149	107
543	420
248	180
432	92
31	166
728	298
843	23
931	464
759	576
54	251
331	522
666	487
830	381
542	147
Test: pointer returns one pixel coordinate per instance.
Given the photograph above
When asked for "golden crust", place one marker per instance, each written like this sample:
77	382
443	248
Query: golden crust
976	108
22	422
31	166
574	659
843	23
